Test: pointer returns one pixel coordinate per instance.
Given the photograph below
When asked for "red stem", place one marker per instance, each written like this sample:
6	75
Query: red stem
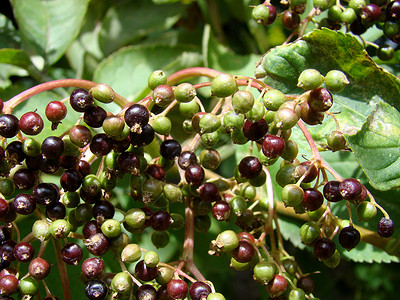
62	268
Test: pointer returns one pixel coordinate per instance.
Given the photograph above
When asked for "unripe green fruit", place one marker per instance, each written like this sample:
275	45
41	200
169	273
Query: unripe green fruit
172	193
41	230
256	113
357	5
91	184
348	16
157	78
323	4
103	93
135	218
334	13
185	92
336	141
60	229
238	205
259	180
232	121
273	99
164	275
238	266
264	271
114	126
248	191
210	159
292	195
31	147
6	186
242	101
286	175
215	296
366	211
111	228
291	150
28	286
160	239
121	283
285	118
297	294
238	138
178	221
162	125
316	214
310	79
333	261
189	109
108	182
69	147
260	14
336	81
70	199
210	139
223	86
385	52
131	253
309	232
209	123
118	243
227	241
391	28
151	259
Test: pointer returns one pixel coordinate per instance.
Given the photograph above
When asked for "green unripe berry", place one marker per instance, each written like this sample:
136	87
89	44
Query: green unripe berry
162	125
210	139
118	243
238	205
160	239
323	4
260	14
291	150
285	118
242	101
292	195
111	228
336	81
290	266
70	199
107	181
135	218
31	147
69	147
309	232
28	286
227	241
333	261
336	141
366	211
391	28
151	259
60	229
157	78
131	253
238	138
172	193
41	230
256	113
223	86
189	109
210	159
202	223
259	180
185	92
122	283
114	126
178	221
232	121
334	13
348	16
310	79
164	275
91	184
316	214
215	296
248	191
273	99
385	52
238	266
357	5
209	123
297	294
83	212
264	271
103	93
6	186
286	175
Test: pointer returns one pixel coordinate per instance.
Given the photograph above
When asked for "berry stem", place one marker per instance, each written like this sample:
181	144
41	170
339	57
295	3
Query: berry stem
62	268
188	245
310	141
47	86
191	72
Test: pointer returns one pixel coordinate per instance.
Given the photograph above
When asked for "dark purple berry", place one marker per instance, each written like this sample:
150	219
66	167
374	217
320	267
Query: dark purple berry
255	131
52	147
244	252
385	227
312	200
101	144
94	116
24	179
81	100
170	149
177	289
160	220
24	204
349	237
31	123
199	290
324	248
250	167
273	146
194	175
350	188
71	254
23	252
144	272
96	290
136	114
93	268
9	125
331	191
187	158
39	268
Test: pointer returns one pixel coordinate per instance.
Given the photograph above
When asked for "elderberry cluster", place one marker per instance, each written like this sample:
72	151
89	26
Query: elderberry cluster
355	16
79	211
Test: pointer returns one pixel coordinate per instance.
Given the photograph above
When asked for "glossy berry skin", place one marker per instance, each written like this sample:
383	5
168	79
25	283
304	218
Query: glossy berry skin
221	210
71	180
273	146
24	204
306	284
250	167
144	272
187	158
9	125
52	147
349	237
199	290
56	111
312	200
146	292
177	289
371	12
331	191
71	254
145	137
101	144
290	20
324	248
277	286
350	188
170	149
320	99
393	10
24	179
80	135
136	114
97	244
94	116
194	175
160	220
8	284
244	252
81	100
39	268
96	290
31	123
93	268
255	131
385	227
23	252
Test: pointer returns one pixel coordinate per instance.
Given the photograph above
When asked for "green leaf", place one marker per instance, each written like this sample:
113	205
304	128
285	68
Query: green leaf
367	253
127	70
49	27
377	147
9	37
15	57
141	17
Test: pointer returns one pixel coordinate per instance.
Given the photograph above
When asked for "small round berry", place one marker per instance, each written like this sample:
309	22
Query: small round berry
162	125
24	179
103	93
131	253
24	204
371	12
336	141
306	284
349	237
199	290
250	167
292	195
170	149
260	14
60	229
177	289
310	79
96	290
39	268
52	147
8	284
111	228
94	116
121	283
350	188
273	146
309	232
93	268
242	101
31	123
277	286
9	125
146	292
331	191
227	241
23	252
163	95
56	111
144	272
97	244
244	252
71	254
366	211
255	131
223	85
324	248
290	19
194	175
385	227
320	99
185	92
157	78
136	114
336	81
81	100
